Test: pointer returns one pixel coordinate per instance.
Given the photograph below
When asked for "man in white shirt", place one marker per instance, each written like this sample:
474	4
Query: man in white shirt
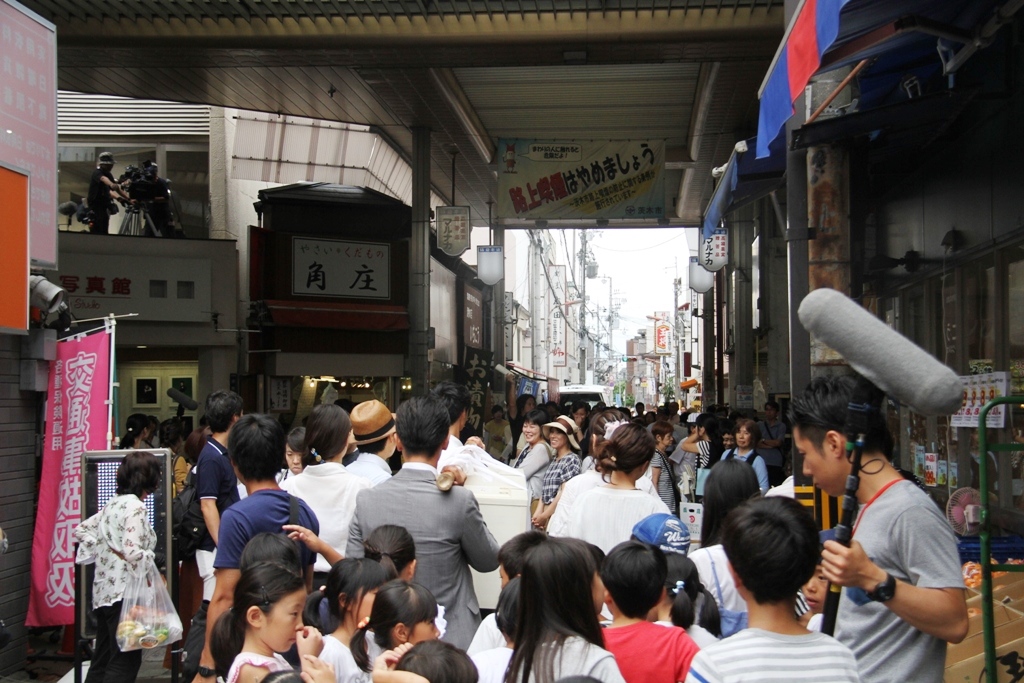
373	432
457	400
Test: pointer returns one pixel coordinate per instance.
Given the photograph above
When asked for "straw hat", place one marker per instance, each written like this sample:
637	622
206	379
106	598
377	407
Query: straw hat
371	421
571	426
560	426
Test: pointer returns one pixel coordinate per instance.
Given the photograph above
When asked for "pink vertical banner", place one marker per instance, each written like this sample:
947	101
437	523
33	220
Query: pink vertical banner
76	421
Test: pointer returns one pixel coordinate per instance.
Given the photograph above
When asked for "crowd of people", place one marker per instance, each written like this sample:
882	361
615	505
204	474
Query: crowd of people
320	563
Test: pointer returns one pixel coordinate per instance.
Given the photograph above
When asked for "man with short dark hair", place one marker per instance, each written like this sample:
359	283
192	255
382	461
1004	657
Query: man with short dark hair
256	444
457	401
448	528
102	193
904	591
772	545
216	483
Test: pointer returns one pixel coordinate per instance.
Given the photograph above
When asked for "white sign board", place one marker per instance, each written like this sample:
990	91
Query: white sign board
350	270
714	251
453	229
490	264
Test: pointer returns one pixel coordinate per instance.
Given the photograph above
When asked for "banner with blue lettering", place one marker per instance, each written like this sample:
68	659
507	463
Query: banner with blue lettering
591	179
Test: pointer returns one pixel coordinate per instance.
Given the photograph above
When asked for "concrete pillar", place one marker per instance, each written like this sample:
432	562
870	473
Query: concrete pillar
216	363
741	365
419	263
218	175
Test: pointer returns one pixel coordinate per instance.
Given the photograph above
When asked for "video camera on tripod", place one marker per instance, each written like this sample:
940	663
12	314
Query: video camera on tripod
149	211
140	183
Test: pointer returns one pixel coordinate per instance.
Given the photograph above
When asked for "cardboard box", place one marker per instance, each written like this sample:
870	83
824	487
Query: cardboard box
1003	595
1009	663
1001	614
974	644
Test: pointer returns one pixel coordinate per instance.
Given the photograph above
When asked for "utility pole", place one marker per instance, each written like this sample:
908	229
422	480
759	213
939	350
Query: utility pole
583	307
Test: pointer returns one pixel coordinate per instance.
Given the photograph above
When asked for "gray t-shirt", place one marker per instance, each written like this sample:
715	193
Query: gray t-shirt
903	532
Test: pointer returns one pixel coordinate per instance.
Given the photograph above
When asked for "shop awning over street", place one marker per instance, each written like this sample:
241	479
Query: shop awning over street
745	178
917	37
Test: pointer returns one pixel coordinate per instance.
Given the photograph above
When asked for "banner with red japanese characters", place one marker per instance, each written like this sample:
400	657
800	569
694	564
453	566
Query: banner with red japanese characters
76	421
621	179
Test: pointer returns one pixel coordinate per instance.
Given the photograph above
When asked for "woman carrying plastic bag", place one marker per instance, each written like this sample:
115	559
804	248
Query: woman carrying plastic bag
120	542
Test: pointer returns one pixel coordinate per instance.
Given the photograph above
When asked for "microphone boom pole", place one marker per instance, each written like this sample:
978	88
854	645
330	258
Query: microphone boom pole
862	403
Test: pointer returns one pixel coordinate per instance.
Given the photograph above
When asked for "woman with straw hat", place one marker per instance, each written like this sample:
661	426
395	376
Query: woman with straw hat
564	466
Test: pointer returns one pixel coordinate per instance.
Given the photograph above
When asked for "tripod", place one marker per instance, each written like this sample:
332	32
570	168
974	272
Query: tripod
137	221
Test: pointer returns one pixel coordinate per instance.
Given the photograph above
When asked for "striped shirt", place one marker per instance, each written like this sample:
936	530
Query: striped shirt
759	656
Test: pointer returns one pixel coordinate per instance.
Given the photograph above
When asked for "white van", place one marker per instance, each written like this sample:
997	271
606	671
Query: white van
591	393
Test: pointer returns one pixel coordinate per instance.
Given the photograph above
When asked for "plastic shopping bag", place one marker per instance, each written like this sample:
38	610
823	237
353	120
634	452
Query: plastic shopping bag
148	617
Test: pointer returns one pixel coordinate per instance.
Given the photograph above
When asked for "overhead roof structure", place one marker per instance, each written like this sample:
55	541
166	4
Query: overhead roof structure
472	71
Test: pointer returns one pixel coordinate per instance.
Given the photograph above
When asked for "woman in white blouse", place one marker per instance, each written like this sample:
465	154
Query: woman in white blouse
118	540
325	485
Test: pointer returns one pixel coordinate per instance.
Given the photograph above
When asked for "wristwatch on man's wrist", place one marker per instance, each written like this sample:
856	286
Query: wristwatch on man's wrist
207	672
884	591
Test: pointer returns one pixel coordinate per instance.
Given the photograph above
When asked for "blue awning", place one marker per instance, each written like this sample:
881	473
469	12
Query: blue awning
922	38
745	179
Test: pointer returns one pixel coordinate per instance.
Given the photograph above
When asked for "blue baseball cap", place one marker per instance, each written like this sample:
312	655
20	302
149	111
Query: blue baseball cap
665	531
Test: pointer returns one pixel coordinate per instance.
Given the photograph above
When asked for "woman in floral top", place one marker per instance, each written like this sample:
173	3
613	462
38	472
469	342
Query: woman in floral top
118	540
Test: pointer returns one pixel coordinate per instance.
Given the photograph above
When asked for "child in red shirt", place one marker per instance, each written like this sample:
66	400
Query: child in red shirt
634	580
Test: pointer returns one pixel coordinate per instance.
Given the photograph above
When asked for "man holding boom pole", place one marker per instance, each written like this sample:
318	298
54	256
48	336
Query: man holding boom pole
902	596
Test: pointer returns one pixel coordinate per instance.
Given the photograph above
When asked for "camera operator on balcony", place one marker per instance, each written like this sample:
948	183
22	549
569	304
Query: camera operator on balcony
102	193
158	201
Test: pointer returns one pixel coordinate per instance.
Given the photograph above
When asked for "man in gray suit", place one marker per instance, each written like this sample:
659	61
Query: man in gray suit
448	529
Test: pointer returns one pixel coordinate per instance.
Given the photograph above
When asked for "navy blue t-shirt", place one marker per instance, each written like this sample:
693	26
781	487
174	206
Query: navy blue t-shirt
266	510
215	478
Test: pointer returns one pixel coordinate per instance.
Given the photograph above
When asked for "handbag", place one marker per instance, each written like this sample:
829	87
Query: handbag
733	621
148	617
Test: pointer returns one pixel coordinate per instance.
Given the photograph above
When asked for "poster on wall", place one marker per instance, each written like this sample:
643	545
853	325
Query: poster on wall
979	390
589	179
147	392
280	394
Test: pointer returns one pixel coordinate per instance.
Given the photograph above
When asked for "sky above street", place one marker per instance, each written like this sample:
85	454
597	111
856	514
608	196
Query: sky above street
642	264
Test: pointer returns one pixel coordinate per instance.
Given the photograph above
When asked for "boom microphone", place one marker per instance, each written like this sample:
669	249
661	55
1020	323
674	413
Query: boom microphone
883	356
182	398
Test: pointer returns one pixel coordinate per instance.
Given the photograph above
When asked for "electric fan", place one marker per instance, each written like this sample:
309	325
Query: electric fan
963	510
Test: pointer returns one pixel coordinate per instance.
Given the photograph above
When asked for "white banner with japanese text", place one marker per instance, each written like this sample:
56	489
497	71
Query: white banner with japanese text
581	180
556	320
350	270
76	422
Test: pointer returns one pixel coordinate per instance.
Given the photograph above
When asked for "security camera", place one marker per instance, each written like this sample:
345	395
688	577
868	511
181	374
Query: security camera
43	294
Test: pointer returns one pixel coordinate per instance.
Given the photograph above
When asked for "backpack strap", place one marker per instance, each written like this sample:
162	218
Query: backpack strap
293	514
718	586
